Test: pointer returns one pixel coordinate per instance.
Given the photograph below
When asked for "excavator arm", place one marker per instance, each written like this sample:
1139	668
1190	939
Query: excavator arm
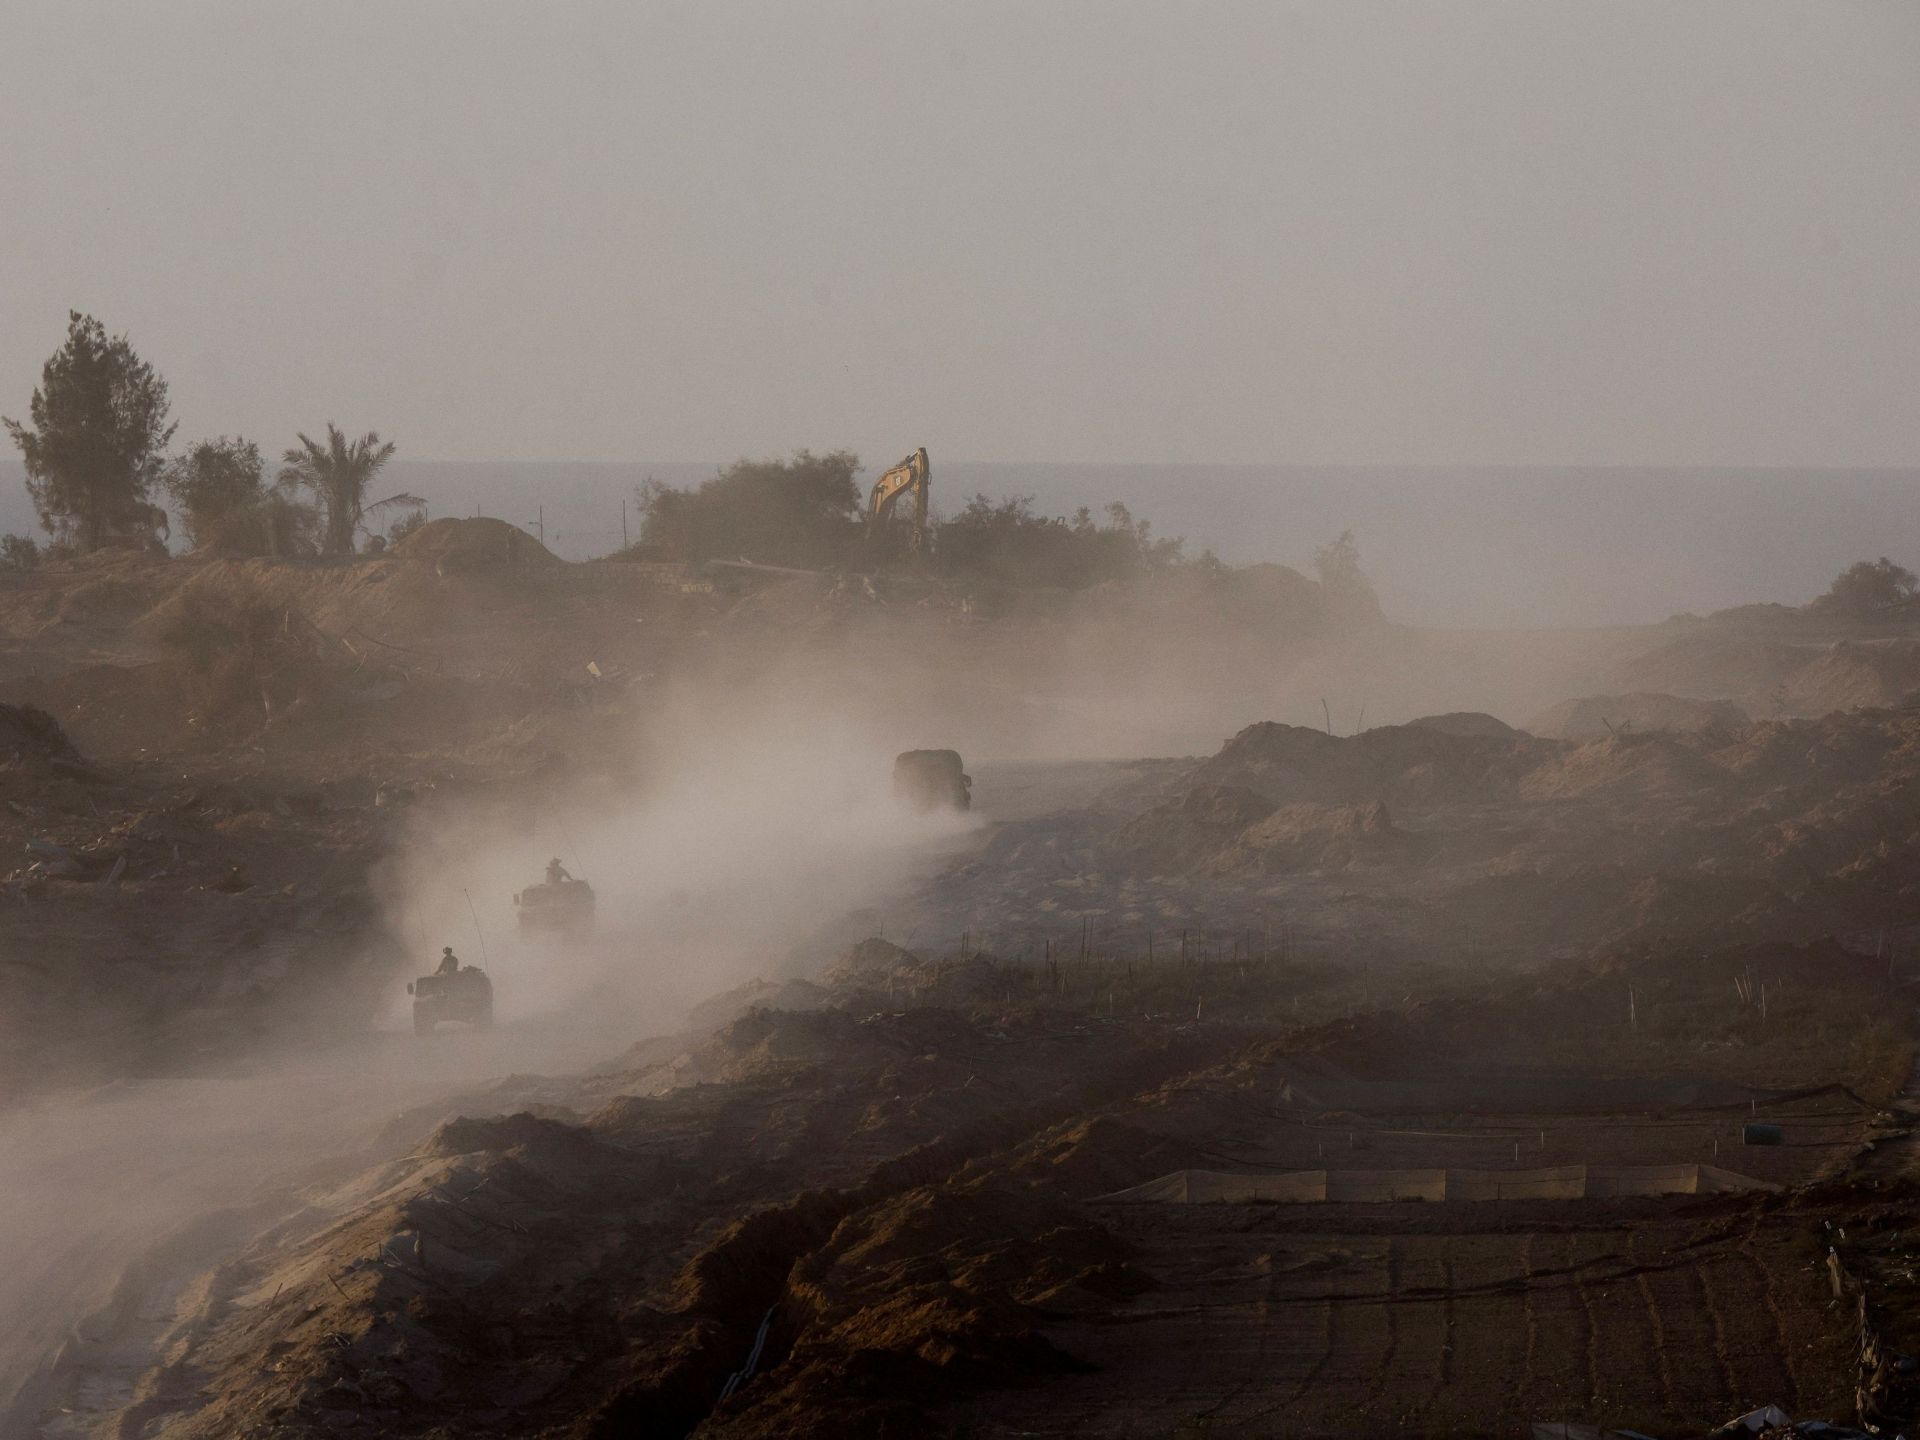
912	473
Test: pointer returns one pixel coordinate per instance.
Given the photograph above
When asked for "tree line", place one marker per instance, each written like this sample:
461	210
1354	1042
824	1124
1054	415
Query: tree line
95	446
808	512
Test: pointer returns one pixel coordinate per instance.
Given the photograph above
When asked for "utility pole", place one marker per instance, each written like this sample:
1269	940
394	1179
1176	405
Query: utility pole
623	523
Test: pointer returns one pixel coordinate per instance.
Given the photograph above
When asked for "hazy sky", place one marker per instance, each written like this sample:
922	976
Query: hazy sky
1343	232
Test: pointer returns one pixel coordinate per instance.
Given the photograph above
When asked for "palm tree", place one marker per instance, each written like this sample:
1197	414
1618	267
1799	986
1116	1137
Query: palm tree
337	473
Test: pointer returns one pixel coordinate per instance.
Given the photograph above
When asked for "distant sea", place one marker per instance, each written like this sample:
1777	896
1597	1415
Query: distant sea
1521	547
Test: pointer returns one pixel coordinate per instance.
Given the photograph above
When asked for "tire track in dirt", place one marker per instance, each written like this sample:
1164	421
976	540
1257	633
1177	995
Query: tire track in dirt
1689	1327
1426	1337
1589	1347
1771	1300
1329	1331
1522	1385
1758	1353
1718	1320
1393	1258
1560	1347
1663	1366
1374	1336
1539	1280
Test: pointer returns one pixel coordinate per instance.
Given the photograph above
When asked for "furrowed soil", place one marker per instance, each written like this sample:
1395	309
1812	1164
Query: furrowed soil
879	1186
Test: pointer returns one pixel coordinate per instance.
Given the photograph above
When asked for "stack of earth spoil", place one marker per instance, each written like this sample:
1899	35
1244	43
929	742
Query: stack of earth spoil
27	733
455	547
1595	717
871	960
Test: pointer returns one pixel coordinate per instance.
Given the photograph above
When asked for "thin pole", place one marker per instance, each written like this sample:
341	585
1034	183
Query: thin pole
476	925
624	544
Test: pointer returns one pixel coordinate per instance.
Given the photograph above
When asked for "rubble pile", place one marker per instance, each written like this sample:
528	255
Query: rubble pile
1409	840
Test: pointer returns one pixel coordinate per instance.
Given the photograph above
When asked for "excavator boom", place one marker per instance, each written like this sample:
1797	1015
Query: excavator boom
913	473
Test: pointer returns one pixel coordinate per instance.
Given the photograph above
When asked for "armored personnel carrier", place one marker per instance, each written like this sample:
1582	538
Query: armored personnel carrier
464	995
562	907
927	780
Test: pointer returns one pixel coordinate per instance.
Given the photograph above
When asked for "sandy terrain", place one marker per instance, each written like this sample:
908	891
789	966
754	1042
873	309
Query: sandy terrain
818	1128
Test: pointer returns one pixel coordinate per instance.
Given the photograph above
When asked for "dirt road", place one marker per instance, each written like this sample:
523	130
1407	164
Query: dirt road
91	1180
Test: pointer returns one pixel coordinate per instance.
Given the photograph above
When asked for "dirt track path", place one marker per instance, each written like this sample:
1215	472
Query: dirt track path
90	1181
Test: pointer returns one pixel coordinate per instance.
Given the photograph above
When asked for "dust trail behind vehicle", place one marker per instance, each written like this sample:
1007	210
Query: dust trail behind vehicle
706	876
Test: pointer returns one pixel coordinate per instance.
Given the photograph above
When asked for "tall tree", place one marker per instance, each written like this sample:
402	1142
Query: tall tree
1867	586
1344	586
337	474
220	488
801	511
214	481
98	434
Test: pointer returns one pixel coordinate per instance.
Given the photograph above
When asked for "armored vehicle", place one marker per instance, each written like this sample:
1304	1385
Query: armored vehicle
465	995
927	780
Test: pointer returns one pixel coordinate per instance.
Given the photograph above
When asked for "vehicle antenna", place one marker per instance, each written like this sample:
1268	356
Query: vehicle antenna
476	925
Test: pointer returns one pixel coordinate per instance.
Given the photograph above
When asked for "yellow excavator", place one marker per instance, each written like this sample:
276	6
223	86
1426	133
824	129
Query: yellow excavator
912	473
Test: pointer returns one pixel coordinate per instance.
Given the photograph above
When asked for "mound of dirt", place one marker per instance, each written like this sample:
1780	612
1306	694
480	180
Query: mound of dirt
521	1134
1315	837
1080	1158
29	733
1821	756
872	959
1473	723
1595	716
1710	662
1407	766
725	1008
1652	766
459	547
1770	674
1183	834
1848	675
994	1255
1269	755
245	665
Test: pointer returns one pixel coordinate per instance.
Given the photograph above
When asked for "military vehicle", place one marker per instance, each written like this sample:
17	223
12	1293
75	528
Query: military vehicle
927	780
464	995
560	907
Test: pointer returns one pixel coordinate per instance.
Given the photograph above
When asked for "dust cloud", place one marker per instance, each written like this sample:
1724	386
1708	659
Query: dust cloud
1167	666
759	835
754	829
